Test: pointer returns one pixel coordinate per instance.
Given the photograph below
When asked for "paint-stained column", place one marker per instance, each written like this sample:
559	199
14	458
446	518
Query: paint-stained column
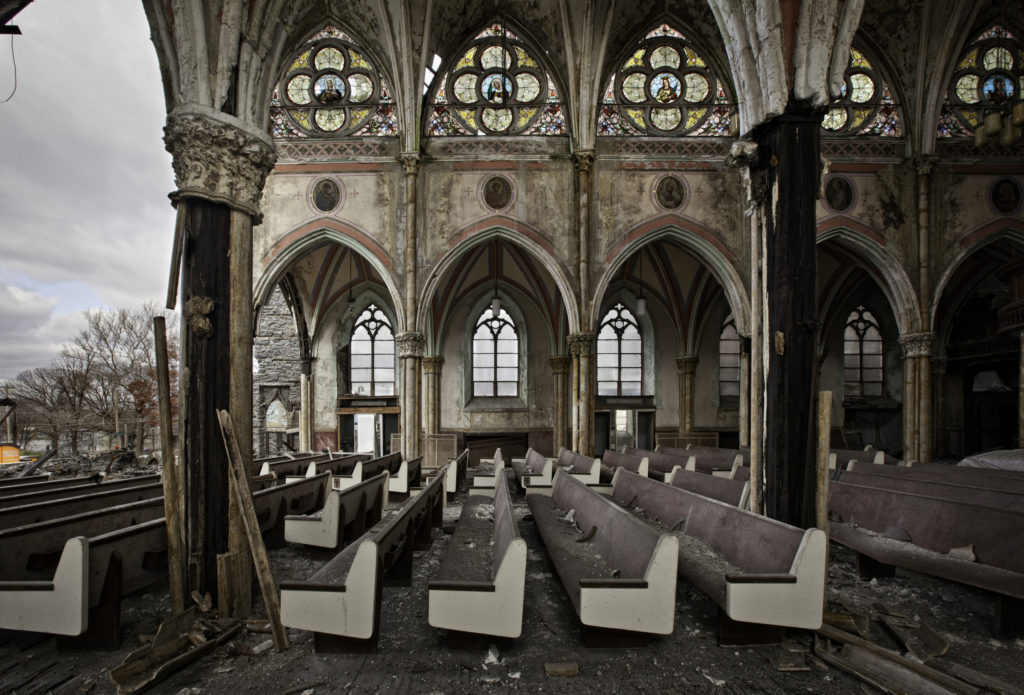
584	163
917	398
410	353
687	367
560	367
220	167
432	392
581	347
306	404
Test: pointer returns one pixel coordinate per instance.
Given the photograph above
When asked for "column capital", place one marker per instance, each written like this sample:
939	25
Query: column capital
560	365
917	344
432	364
581	344
583	160
410	161
306	365
410	344
218	157
687	364
923	163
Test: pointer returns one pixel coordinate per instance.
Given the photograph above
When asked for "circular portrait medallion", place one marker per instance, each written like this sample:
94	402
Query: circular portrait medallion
670	192
497	192
326	195
838	194
1006	196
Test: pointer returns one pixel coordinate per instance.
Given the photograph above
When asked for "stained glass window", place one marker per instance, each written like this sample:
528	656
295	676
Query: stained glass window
665	87
495	355
331	89
989	74
619	354
372	355
862	354
496	87
729	361
866	106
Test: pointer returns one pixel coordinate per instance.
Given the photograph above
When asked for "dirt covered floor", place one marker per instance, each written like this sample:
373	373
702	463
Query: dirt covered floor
414	658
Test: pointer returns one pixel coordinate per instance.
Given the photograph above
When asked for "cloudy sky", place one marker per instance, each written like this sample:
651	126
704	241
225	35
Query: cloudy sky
85	222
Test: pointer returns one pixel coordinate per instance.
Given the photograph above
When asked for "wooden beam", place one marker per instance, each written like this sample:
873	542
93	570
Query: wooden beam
238	483
172	484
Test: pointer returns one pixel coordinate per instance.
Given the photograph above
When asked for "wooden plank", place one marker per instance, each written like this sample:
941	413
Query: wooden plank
176	250
238	484
172	485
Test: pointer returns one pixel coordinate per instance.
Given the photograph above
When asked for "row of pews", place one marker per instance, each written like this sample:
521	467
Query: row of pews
72	548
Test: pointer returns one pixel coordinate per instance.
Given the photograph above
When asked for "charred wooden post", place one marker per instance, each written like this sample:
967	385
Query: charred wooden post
220	166
791	151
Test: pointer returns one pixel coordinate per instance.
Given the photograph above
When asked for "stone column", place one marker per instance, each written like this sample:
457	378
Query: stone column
220	166
432	392
744	405
410	165
559	373
584	163
687	366
410	353
581	347
1020	396
938	402
916	395
305	404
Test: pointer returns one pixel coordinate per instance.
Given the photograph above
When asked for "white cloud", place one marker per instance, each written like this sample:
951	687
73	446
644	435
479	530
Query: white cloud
31	332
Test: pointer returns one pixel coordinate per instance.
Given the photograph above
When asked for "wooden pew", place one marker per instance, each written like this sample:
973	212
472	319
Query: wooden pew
985	496
346	514
618	572
730	491
99	498
698	449
85	487
405	476
455	474
72	585
483	480
660	464
14	481
480	583
1010	481
585	469
294	467
536	470
363	470
342	464
889	529
612	460
841	458
341	602
759	571
36	485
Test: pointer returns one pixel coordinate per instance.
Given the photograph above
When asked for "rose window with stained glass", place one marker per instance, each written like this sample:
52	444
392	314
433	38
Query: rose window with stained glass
665	87
866	106
988	75
331	89
496	87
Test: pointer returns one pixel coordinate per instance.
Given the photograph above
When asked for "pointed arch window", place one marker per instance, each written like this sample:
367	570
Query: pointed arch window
988	75
866	106
862	354
331	89
729	362
619	354
495	355
372	354
665	86
496	87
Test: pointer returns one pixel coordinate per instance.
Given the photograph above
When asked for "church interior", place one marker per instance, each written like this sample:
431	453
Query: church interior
440	229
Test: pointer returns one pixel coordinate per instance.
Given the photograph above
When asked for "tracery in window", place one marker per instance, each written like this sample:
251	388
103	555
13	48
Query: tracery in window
665	87
865	106
372	348
989	74
619	354
495	355
862	354
331	89
497	87
729	361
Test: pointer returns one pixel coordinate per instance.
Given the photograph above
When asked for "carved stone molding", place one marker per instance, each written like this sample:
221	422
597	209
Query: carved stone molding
917	344
432	364
560	365
924	163
410	162
410	344
583	160
581	344
218	158
687	364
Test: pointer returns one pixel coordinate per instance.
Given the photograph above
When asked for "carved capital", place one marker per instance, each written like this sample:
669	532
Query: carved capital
583	160
917	344
581	344
217	157
410	162
560	365
743	154
410	344
432	364
923	163
687	364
